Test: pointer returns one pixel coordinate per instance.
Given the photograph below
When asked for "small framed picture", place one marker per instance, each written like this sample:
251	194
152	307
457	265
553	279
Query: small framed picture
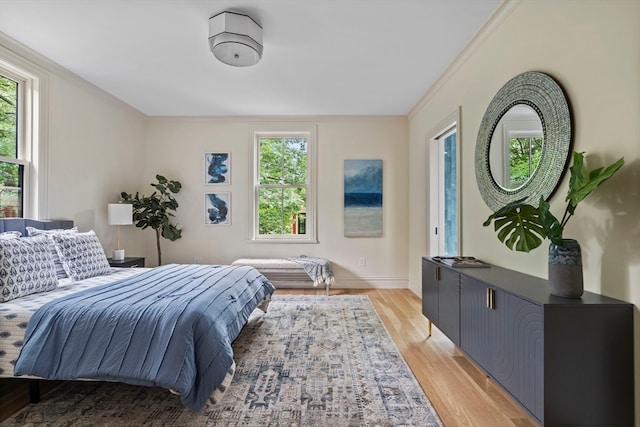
217	208
217	168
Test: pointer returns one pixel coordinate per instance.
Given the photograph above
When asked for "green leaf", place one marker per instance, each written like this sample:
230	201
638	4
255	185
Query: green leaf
582	183
518	226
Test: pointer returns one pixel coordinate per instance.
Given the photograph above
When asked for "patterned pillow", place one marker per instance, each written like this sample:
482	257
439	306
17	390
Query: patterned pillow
81	254
10	234
26	267
52	247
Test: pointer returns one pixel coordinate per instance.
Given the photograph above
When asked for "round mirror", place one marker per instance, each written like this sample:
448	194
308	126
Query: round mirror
524	141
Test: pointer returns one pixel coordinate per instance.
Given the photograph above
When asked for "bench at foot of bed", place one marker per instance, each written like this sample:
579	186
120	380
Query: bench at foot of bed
285	273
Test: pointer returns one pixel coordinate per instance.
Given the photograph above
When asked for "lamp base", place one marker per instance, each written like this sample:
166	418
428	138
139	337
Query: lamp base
118	255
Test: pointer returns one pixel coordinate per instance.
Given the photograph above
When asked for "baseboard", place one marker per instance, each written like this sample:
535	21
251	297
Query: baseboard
371	283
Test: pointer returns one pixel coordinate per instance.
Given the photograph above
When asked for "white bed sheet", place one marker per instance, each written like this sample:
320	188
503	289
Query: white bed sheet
15	314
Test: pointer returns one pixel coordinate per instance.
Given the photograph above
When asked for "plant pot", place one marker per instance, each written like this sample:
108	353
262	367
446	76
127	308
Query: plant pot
565	269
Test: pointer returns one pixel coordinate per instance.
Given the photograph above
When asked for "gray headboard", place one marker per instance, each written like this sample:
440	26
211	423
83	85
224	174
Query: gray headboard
20	224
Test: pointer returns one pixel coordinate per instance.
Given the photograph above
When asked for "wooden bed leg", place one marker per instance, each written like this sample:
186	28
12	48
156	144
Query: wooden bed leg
34	391
327	287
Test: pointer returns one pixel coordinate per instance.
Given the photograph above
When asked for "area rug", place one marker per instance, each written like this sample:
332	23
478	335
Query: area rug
309	361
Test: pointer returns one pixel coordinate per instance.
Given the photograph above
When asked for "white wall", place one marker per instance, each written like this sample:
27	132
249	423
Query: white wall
175	149
592	48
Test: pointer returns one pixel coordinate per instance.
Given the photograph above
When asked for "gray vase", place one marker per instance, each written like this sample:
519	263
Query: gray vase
565	269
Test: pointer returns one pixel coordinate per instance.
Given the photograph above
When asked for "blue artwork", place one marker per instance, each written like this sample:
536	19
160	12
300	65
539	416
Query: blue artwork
217	168
217	208
363	198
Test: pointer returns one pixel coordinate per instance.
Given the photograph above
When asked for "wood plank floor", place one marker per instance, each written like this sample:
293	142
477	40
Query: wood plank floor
459	391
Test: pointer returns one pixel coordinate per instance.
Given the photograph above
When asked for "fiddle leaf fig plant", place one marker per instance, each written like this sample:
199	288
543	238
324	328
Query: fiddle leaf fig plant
156	210
523	227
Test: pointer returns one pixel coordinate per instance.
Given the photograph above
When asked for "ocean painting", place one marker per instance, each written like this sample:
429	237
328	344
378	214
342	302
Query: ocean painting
363	198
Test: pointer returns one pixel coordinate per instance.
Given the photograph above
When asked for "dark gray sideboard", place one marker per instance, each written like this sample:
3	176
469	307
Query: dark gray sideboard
567	361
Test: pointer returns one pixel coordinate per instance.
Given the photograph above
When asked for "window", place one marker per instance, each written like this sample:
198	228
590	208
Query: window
284	184
23	151
12	165
444	176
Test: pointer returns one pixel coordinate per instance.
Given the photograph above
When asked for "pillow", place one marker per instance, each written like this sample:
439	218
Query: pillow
26	267
56	259
81	254
10	235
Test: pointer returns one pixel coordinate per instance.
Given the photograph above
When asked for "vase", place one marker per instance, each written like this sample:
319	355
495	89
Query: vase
565	269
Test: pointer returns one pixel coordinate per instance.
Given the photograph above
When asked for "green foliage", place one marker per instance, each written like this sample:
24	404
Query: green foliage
156	210
283	176
523	227
10	199
524	154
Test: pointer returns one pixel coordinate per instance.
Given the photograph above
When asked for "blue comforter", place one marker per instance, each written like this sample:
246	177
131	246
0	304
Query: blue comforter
171	327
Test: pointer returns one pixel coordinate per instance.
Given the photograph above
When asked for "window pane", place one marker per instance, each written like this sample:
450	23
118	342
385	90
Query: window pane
294	161
270	161
281	209
450	196
11	179
524	157
8	117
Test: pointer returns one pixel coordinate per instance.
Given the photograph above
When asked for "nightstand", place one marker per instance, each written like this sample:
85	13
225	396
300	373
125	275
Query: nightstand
127	262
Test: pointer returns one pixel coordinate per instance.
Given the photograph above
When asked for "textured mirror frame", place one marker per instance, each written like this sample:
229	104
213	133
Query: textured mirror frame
540	92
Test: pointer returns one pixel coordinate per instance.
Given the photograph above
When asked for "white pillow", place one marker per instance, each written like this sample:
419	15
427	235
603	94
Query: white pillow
81	254
10	234
26	267
56	259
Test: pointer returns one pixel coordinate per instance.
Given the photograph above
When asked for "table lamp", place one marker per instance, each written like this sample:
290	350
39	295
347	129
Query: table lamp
119	214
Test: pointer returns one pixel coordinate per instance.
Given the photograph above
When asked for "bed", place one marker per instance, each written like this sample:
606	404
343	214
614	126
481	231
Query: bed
171	326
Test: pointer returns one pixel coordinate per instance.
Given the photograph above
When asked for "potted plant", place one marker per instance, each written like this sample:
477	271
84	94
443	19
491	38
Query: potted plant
523	227
155	211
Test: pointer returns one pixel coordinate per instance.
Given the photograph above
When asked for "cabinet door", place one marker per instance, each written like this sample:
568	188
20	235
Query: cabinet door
475	322
505	337
517	349
449	304
430	290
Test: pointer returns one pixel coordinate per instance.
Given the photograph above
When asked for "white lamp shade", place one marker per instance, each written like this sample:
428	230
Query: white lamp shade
235	39
120	214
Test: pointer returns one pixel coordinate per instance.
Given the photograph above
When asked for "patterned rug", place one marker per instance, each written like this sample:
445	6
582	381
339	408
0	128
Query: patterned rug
309	361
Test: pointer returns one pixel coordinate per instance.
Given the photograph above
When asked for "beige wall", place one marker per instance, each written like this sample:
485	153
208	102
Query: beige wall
592	48
175	148
93	144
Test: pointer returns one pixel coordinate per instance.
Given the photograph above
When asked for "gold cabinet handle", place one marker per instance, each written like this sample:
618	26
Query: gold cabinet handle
491	299
436	273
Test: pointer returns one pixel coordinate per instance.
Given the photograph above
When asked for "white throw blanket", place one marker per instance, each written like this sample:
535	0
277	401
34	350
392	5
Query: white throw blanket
318	269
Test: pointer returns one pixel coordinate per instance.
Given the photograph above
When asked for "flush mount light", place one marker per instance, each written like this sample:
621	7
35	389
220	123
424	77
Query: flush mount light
235	39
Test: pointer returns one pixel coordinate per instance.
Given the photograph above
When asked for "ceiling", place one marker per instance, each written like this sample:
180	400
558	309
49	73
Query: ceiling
321	57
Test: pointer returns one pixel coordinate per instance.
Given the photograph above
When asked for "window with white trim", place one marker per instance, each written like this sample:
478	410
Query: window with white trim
284	184
14	164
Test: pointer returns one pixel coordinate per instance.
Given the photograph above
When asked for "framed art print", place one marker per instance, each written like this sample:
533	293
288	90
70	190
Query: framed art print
363	198
217	168
217	208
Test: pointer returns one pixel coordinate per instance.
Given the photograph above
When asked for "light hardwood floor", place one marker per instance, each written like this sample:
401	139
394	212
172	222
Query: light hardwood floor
459	391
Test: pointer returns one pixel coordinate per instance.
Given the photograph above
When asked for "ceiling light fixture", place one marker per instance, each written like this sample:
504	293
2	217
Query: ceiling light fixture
235	39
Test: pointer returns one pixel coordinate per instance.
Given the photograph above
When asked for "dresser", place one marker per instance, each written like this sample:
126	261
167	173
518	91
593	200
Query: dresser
567	361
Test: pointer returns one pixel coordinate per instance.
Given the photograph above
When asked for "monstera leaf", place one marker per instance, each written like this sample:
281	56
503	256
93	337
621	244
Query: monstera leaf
523	227
518	226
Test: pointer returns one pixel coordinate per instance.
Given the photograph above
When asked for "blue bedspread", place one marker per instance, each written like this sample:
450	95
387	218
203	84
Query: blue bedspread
171	327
